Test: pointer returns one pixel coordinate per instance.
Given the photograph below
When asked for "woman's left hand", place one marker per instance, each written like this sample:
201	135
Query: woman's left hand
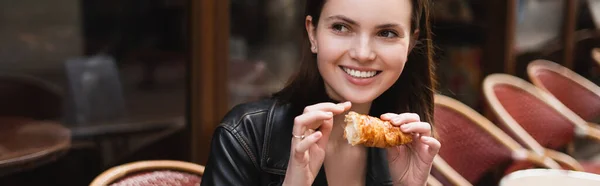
410	164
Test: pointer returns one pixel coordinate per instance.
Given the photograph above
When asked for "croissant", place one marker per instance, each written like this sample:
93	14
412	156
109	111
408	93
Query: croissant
373	132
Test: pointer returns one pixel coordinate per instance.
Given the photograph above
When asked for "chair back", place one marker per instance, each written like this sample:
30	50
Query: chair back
533	115
152	172
574	91
432	181
472	145
445	174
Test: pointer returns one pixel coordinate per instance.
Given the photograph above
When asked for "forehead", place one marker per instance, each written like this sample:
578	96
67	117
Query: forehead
370	11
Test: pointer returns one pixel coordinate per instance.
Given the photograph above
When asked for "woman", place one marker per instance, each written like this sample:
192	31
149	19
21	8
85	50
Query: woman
365	56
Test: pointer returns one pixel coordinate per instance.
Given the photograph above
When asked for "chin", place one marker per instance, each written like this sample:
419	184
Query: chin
360	98
354	95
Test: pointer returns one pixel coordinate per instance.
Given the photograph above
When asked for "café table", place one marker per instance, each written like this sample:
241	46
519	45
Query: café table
119	139
550	177
27	143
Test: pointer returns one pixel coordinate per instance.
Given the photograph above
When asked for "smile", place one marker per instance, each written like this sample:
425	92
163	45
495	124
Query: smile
359	74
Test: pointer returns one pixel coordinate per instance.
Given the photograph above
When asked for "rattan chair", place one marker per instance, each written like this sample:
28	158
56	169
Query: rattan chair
431	181
152	172
473	146
447	174
574	91
537	119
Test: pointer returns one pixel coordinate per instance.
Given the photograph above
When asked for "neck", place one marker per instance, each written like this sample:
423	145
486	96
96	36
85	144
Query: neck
361	108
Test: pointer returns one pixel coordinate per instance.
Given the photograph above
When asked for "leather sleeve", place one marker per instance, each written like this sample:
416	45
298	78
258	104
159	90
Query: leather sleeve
229	163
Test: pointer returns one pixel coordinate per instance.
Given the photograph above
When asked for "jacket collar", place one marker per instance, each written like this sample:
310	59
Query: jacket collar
278	137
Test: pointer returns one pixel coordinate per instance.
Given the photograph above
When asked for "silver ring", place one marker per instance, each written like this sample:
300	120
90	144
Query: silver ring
299	137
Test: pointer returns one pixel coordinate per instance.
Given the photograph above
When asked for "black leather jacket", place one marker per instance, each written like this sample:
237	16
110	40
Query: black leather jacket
251	146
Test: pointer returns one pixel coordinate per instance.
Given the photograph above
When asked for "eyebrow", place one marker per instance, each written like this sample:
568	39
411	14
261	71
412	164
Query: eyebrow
343	18
389	25
352	22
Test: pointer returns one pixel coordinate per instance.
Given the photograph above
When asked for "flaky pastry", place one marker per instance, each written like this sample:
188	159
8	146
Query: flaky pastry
373	132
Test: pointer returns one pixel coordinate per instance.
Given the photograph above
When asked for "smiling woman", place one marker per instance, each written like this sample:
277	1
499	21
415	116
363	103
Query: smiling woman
361	42
360	56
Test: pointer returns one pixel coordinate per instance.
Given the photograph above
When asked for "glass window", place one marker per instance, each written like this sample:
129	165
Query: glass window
119	68
264	51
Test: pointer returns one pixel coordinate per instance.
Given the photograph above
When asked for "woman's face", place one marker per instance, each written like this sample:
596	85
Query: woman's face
361	46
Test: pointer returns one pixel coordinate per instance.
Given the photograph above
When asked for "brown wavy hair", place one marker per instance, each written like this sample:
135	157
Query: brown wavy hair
412	92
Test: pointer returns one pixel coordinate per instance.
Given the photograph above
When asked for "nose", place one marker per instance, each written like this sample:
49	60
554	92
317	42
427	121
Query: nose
362	50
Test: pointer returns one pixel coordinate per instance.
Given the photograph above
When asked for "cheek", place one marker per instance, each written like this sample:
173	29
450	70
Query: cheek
331	49
395	59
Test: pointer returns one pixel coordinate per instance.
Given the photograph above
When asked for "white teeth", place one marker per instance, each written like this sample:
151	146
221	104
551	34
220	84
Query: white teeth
359	74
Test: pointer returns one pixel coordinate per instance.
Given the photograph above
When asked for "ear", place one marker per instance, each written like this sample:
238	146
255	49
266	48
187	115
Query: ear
310	30
413	40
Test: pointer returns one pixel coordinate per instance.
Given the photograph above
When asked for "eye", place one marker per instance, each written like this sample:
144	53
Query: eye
387	34
340	28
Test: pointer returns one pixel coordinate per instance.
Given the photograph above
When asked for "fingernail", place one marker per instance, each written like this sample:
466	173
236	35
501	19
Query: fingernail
329	114
424	139
318	134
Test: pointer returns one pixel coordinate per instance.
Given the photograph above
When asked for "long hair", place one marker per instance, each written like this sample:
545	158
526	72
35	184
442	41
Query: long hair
412	92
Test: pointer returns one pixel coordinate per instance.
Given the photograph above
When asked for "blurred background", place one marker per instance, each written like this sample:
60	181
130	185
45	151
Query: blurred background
86	85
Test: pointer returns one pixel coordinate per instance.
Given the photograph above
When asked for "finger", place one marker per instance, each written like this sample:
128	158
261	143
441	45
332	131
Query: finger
422	128
434	144
346	105
308	120
327	125
325	129
388	116
329	107
318	106
405	118
301	147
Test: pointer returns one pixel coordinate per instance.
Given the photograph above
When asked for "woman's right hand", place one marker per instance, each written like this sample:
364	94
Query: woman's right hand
307	154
